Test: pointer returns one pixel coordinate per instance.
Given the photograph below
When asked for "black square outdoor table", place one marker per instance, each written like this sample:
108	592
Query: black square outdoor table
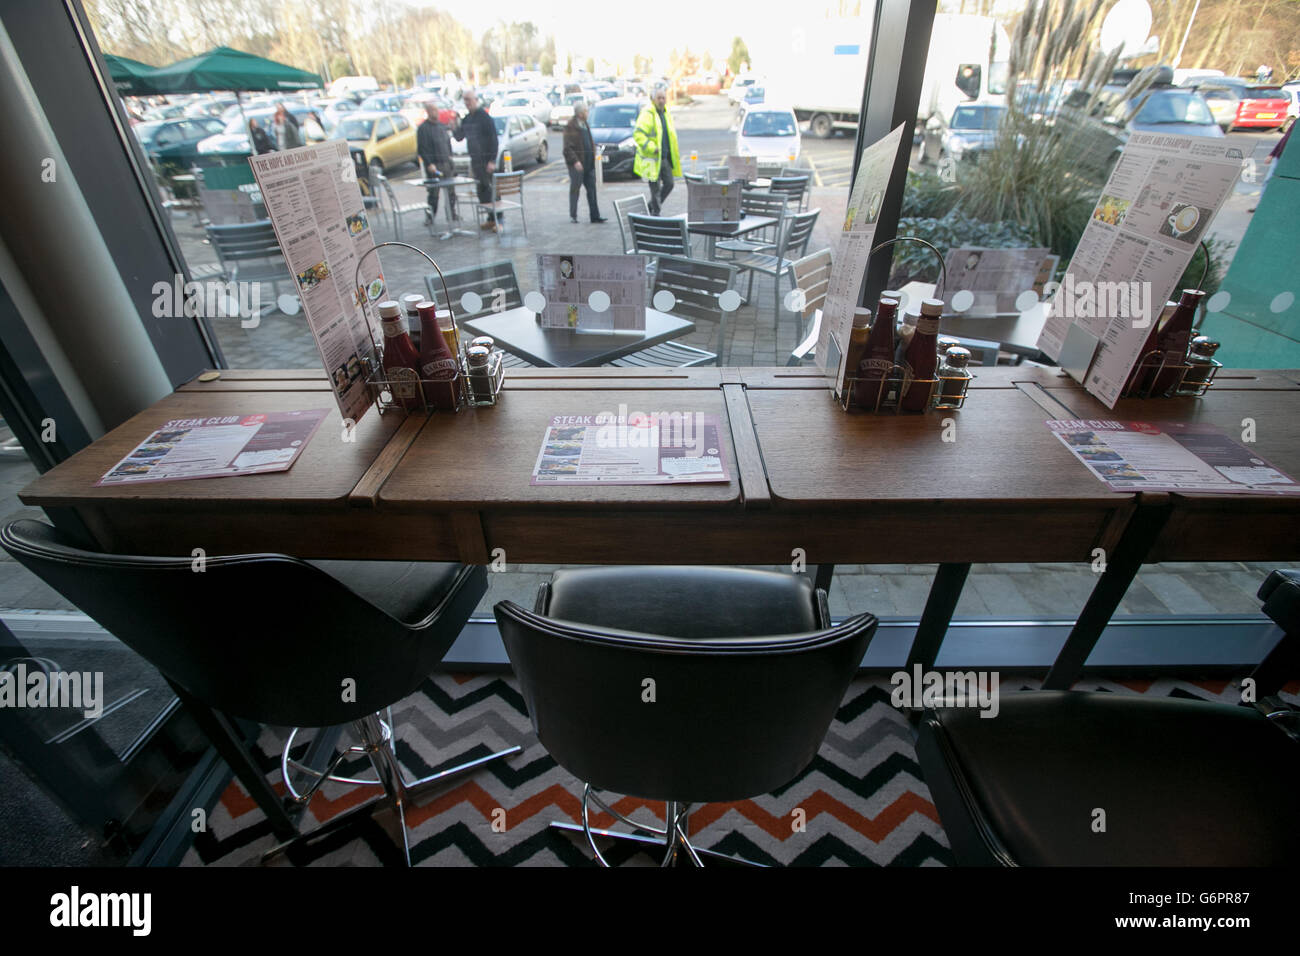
518	332
728	229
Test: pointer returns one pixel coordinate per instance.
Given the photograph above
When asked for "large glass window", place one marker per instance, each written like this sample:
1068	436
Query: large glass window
1015	134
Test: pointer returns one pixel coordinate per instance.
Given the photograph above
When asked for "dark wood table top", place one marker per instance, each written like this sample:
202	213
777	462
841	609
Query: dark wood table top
324	475
803	474
484	458
819	456
518	331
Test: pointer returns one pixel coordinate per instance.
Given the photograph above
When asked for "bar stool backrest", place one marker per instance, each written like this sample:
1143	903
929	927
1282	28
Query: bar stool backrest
261	636
695	719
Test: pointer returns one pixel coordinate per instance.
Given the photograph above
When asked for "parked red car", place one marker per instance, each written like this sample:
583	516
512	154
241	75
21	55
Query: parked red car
1262	107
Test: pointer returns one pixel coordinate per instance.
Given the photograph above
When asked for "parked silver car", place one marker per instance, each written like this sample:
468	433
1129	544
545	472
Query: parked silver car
517	132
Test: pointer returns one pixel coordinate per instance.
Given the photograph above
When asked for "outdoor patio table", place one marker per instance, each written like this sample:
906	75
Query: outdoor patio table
732	229
518	332
447	184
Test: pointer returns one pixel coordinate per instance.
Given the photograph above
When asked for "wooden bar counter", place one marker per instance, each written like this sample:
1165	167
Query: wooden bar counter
803	475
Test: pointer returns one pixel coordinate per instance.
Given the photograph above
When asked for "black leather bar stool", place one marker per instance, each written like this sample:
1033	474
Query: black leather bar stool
682	684
279	641
1095	779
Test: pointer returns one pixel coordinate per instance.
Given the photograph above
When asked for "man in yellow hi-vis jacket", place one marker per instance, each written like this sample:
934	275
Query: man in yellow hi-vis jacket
657	158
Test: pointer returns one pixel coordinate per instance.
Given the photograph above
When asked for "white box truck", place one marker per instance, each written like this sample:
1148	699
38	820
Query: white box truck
822	73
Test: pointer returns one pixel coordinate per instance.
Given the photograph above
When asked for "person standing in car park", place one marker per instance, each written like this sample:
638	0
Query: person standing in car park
657	157
284	129
258	138
480	135
580	155
433	143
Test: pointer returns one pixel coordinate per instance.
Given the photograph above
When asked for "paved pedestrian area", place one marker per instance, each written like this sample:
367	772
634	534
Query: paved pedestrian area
282	341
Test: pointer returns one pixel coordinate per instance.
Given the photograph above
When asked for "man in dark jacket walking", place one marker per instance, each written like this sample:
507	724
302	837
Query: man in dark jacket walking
580	155
480	135
259	138
433	144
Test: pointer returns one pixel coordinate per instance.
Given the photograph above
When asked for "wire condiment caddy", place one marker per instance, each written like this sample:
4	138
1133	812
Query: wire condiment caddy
892	383
409	393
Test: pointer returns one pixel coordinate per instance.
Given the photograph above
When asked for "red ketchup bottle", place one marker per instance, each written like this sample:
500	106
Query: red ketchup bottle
875	386
401	361
438	367
1173	341
921	358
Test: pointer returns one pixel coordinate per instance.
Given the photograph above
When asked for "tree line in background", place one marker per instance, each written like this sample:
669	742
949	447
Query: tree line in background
1235	36
381	38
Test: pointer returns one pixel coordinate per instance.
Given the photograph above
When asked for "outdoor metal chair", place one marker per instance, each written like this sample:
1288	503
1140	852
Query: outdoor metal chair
796	186
659	236
758	203
622	208
250	252
396	209
496	287
812	276
507	194
695	286
792	244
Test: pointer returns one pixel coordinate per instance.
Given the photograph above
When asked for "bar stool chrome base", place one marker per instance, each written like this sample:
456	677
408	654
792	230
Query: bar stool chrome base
675	843
377	744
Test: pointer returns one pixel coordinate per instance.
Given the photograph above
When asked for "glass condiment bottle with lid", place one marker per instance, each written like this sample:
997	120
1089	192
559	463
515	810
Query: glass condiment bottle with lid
478	361
1201	365
409	303
954	377
857	349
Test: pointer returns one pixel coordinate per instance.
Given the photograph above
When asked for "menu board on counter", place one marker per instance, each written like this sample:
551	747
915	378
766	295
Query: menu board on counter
218	447
849	265
593	293
1170	456
315	205
1156	206
713	202
631	448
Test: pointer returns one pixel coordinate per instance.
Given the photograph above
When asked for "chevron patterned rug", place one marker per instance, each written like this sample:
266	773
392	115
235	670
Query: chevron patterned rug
862	802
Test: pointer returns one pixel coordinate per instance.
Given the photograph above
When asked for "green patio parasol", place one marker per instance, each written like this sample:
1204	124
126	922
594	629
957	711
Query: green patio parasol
222	68
130	77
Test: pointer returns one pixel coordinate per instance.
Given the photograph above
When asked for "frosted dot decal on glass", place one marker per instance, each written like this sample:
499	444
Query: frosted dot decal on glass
664	300
962	300
1026	300
535	301
598	300
729	301
471	302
